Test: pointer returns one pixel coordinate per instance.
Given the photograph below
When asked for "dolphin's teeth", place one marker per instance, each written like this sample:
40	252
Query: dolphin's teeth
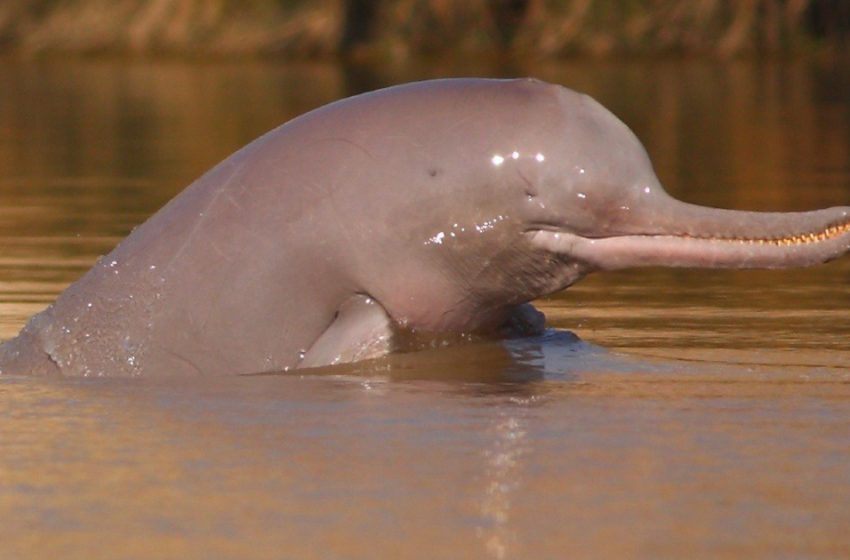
799	239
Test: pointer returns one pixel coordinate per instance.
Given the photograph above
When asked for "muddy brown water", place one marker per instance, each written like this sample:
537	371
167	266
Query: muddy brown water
707	414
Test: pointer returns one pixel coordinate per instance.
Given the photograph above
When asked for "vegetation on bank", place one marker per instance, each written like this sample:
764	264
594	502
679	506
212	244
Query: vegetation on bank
398	28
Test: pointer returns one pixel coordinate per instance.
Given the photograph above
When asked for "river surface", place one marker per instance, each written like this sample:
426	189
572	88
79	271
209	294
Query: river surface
705	415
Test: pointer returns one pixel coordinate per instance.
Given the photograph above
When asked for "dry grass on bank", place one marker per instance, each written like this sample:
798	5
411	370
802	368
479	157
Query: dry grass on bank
307	28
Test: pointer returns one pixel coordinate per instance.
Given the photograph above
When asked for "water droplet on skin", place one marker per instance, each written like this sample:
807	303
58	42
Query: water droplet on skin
301	354
647	190
515	155
581	195
497	160
438	239
540	157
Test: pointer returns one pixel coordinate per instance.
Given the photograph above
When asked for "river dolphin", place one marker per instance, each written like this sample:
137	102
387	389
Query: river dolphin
439	208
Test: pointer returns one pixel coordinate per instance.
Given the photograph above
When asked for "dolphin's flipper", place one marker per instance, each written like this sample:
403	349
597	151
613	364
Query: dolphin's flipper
361	330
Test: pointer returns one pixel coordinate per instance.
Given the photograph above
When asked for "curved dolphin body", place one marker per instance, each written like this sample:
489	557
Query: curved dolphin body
435	207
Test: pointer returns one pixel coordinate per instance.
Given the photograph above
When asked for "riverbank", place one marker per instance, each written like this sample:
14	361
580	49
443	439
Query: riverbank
392	30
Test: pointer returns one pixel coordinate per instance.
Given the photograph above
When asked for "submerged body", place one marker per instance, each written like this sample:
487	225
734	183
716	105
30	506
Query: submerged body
437	207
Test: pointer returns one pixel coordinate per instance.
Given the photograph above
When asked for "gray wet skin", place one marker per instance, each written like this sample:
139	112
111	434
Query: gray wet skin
436	207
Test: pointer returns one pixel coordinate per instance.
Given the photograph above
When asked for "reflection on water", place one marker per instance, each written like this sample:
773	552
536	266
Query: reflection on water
718	427
332	467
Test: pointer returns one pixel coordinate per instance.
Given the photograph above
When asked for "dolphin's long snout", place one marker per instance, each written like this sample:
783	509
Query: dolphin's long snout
686	235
